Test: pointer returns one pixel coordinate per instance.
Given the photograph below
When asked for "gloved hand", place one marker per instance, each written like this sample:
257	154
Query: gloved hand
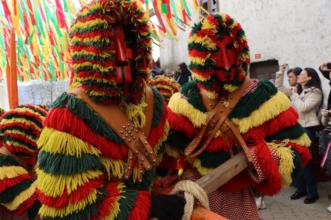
167	207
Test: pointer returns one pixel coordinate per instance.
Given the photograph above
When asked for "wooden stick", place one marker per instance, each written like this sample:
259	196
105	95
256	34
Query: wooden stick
224	173
12	72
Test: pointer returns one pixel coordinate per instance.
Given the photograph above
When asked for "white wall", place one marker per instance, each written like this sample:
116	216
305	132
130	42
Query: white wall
297	32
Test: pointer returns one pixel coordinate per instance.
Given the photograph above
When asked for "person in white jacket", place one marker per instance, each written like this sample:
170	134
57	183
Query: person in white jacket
307	99
292	77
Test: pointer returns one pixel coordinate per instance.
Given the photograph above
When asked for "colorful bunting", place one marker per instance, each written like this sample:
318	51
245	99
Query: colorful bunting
41	28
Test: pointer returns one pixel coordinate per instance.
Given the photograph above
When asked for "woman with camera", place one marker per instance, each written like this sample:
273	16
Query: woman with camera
325	139
307	99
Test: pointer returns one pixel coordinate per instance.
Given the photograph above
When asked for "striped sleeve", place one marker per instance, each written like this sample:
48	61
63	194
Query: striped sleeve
73	183
17	188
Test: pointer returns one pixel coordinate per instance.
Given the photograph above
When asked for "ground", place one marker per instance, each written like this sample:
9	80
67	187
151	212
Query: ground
281	207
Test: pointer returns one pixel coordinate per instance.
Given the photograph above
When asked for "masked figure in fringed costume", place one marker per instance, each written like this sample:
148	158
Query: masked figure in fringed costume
103	139
165	85
19	131
219	60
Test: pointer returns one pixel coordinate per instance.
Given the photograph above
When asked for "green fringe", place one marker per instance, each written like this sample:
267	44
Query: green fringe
87	213
196	27
252	101
95	69
198	47
83	111
96	27
191	91
158	108
91	57
17	115
97	44
178	140
213	160
67	165
39	112
6	160
297	170
293	132
98	84
33	210
127	203
26	144
23	130
9	194
61	101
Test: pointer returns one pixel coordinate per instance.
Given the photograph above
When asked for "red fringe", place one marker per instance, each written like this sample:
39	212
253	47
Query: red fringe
58	202
303	152
23	138
85	190
181	124
239	182
272	184
285	119
107	205
220	143
26	205
157	132
142	206
76	196
32	127
7	183
64	120
18	149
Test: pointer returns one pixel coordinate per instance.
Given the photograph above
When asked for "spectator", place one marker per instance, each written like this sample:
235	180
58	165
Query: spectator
325	138
307	99
184	74
292	75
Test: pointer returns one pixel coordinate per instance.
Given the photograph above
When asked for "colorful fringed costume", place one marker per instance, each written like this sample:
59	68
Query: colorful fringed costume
165	85
83	160
19	131
219	57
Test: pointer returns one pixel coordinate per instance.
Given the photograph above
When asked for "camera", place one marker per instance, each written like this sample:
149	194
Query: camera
328	65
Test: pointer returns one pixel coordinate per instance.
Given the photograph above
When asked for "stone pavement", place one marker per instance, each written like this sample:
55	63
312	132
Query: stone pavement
281	207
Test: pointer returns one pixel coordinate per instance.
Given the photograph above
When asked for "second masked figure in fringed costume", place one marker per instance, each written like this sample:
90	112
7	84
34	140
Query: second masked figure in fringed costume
104	138
219	60
165	85
19	131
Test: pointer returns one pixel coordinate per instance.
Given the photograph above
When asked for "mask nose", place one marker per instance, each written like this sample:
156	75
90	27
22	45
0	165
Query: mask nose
123	55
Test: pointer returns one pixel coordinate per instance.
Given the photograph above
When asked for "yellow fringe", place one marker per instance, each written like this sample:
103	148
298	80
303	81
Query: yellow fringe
206	25
54	141
205	41
268	110
87	10
102	80
22	197
199	77
91	64
303	140
97	38
19	120
286	164
199	60
21	133
11	172
136	114
54	185
89	24
102	54
202	170
14	143
114	168
230	88
179	105
116	208
22	109
46	211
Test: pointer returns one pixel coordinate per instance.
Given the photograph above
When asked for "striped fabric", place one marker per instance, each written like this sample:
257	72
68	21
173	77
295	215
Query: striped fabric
19	129
165	85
